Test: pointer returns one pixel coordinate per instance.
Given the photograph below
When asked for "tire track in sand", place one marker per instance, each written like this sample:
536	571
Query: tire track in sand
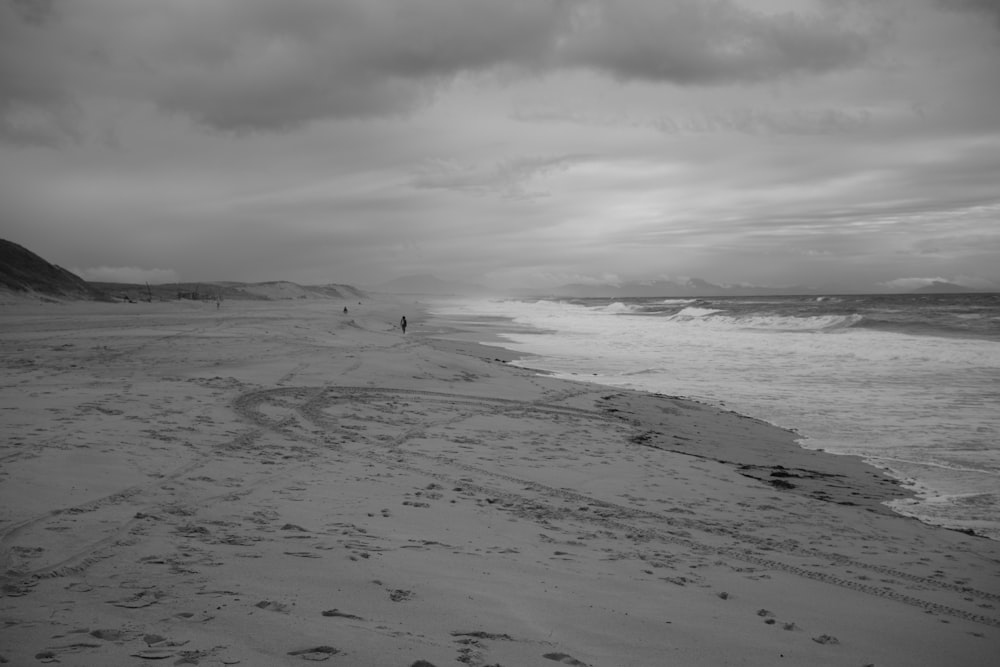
91	552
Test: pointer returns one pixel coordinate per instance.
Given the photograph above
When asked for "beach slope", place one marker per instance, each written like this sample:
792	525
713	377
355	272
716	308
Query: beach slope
268	483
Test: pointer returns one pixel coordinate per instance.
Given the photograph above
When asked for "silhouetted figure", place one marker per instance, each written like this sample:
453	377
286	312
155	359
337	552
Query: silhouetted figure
345	310
402	323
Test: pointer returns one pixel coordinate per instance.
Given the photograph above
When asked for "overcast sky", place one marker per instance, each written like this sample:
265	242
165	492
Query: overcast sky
508	142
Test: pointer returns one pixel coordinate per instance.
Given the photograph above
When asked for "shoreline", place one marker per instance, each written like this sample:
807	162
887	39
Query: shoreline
800	470
492	329
275	482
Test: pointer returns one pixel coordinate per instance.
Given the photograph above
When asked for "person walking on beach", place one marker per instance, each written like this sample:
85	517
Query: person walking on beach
402	323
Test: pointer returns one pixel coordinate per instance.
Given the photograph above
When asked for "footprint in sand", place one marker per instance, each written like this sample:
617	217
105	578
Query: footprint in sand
295	527
316	654
139	600
400	595
192	617
15	590
154	654
565	659
480	634
341	614
109	635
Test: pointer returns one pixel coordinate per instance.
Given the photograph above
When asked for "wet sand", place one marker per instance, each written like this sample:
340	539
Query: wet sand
278	483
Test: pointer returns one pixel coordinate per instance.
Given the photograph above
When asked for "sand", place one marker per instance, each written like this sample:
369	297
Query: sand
280	483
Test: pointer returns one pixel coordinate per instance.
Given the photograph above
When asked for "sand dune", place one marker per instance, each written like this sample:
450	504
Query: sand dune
280	483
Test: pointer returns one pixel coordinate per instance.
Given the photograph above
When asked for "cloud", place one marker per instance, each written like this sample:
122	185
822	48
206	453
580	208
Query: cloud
127	274
32	11
266	65
28	125
509	178
991	7
261	64
34	90
342	141
742	120
958	245
695	42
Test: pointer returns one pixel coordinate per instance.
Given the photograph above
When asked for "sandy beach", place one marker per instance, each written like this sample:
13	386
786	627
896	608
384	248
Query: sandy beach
274	482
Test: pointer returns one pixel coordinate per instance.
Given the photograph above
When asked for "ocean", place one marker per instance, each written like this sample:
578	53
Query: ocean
911	383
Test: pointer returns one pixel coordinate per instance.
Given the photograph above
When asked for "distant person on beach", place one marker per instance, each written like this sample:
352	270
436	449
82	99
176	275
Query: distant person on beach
345	310
402	323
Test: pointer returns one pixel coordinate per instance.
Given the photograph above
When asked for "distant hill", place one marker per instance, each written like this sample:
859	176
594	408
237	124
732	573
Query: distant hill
286	290
941	287
210	291
429	285
25	272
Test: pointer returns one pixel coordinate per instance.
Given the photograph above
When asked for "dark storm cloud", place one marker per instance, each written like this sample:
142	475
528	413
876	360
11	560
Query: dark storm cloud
260	64
708	42
265	65
32	11
35	100
989	7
